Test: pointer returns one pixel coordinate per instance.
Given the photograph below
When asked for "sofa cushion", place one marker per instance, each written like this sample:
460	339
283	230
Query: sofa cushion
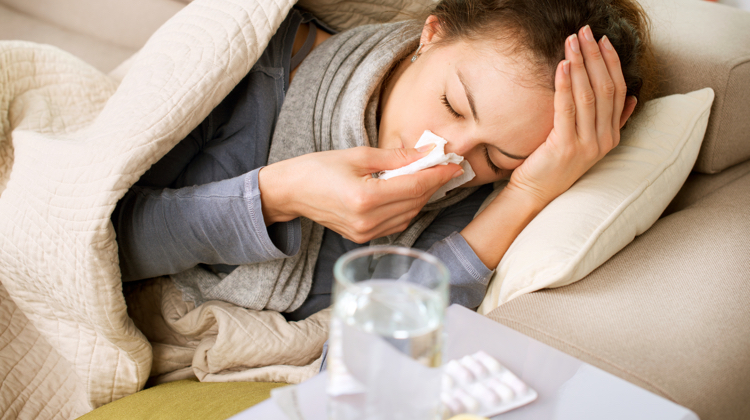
668	313
617	199
701	44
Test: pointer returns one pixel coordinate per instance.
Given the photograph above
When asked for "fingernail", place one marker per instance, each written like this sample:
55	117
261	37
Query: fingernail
607	44
566	66
587	33
426	148
574	43
458	173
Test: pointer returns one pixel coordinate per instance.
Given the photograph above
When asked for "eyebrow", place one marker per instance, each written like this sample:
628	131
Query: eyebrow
469	96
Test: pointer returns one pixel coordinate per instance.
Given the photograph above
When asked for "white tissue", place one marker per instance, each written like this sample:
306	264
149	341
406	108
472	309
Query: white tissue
436	157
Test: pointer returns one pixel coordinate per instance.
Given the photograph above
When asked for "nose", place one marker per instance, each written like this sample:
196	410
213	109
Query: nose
459	144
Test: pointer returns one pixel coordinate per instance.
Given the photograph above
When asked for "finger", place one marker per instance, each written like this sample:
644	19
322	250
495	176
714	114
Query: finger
601	83
583	95
401	201
565	107
395	217
397	229
378	233
375	160
420	184
612	60
385	218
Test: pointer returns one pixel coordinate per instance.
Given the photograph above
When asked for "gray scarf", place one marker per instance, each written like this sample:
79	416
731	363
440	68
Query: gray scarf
332	104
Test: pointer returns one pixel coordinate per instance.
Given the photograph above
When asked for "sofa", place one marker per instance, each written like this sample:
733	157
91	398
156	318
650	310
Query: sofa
668	312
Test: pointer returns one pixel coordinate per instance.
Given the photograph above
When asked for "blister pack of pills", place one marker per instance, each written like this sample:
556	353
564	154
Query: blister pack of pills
479	384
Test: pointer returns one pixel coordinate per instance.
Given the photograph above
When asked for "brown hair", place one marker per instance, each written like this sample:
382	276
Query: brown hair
539	28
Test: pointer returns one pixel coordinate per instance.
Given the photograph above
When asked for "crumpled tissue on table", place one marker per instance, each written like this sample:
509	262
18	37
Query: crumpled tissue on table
436	157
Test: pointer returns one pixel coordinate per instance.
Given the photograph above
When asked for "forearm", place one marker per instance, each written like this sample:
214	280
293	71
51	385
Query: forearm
276	187
469	276
492	232
162	232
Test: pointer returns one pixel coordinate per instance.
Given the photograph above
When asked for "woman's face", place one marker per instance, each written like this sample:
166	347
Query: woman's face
481	101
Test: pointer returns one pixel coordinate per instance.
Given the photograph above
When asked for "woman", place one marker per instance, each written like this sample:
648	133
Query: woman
531	90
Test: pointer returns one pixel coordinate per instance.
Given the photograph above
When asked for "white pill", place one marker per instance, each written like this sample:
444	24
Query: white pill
483	394
469	402
512	381
458	372
452	403
506	394
475	367
488	361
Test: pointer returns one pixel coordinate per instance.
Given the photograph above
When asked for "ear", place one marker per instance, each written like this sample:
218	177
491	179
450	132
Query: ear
429	32
627	110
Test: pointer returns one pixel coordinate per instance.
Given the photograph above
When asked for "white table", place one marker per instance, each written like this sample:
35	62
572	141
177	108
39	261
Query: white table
568	388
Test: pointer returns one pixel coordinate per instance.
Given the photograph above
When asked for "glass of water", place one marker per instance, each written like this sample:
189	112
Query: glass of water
386	335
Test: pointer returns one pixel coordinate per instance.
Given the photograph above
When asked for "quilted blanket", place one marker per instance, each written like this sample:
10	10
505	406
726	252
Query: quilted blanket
72	141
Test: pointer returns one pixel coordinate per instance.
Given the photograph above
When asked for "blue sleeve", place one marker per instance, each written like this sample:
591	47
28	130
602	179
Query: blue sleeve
166	231
469	275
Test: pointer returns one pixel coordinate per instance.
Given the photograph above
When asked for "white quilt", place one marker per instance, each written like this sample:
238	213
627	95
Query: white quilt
72	141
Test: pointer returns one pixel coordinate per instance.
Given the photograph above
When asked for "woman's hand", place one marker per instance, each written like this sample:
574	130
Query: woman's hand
337	190
590	108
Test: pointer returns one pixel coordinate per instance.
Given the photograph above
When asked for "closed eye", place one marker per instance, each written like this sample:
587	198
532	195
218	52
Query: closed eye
444	100
492	166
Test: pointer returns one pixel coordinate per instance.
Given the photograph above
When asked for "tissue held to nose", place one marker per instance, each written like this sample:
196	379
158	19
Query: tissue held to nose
436	157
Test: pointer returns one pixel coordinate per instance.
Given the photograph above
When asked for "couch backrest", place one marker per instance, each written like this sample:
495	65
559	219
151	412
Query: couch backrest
344	14
126	23
702	44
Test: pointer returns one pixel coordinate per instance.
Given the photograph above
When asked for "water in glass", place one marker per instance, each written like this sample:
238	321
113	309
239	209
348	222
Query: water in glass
385	351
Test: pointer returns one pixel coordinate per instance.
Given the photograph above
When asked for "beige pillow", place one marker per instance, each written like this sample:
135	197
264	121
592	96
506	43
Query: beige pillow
618	199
